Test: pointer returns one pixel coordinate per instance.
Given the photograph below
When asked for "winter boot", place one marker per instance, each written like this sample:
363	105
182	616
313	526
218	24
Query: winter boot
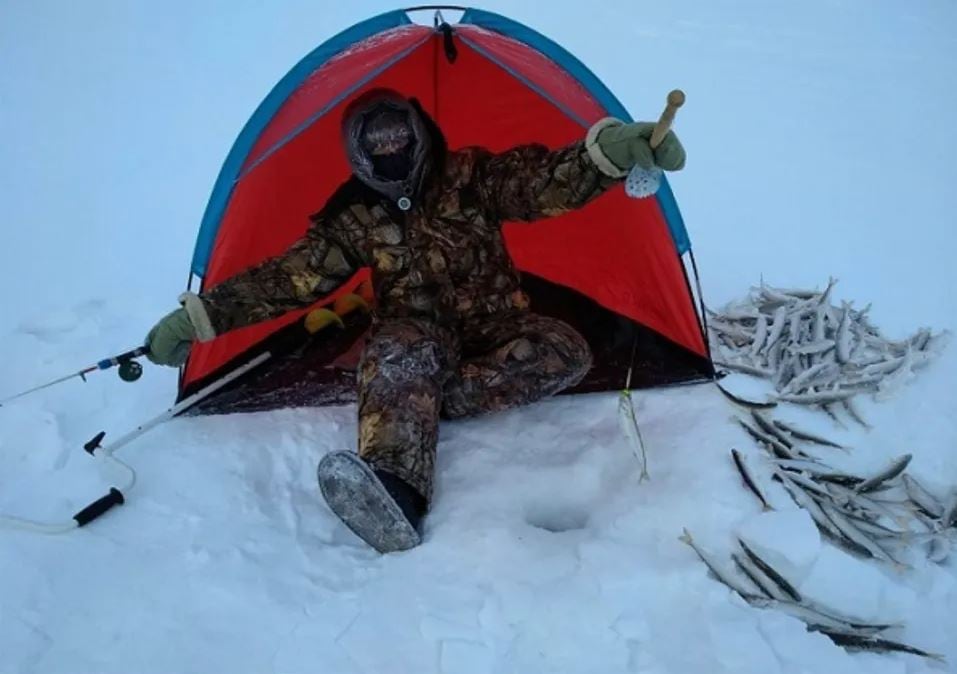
379	507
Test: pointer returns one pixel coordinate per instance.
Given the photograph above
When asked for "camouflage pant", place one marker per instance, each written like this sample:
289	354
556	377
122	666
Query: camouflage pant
412	371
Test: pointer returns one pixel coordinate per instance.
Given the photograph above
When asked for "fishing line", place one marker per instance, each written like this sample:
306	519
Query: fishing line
628	420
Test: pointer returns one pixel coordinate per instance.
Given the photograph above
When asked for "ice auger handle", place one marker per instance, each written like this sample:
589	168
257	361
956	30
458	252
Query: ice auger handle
95	443
675	100
99	506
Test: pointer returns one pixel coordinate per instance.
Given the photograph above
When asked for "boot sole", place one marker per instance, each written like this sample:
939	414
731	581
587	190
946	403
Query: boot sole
357	497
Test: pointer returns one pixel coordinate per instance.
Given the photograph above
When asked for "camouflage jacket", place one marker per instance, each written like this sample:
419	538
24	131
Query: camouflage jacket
444	259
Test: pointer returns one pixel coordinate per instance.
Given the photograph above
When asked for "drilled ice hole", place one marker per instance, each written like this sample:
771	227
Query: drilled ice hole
557	518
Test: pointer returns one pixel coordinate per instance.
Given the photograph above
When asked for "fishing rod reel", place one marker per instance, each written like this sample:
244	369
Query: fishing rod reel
130	370
126	365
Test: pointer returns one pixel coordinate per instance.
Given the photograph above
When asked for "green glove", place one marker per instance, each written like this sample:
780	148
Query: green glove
626	145
170	340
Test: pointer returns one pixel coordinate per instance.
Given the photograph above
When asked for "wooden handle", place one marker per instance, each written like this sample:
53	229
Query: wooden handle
675	100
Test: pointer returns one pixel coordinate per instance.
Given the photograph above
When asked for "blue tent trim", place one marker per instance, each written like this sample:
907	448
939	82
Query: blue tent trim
594	86
229	173
676	224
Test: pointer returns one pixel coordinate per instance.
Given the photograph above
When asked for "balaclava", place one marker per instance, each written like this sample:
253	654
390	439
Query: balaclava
387	144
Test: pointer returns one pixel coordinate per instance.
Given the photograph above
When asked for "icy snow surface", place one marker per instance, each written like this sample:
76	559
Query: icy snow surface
821	142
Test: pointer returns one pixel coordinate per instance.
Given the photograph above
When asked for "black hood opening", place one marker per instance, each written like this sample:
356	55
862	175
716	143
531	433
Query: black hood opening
392	144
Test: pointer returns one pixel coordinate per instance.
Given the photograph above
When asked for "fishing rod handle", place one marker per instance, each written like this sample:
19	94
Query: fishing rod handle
107	363
99	507
675	100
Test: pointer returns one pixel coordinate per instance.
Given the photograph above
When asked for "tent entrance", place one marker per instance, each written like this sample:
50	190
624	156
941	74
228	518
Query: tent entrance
318	370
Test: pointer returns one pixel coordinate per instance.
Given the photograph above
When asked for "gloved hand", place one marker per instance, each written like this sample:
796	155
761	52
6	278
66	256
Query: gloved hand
170	340
626	145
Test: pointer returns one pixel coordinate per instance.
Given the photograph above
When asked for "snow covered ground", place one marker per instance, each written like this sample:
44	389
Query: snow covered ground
820	143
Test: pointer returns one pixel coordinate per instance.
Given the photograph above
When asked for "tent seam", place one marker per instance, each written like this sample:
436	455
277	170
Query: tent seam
303	126
528	83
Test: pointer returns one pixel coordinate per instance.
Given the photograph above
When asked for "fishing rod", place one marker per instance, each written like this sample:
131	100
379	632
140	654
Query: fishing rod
129	370
95	448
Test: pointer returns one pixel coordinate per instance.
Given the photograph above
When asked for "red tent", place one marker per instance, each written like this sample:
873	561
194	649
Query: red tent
615	268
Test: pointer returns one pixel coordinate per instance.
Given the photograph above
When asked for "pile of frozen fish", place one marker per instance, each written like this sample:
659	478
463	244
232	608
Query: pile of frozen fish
759	584
813	352
879	516
875	516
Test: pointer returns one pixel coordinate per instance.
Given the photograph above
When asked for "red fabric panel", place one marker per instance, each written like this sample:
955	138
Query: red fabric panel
619	252
543	73
332	79
270	206
616	250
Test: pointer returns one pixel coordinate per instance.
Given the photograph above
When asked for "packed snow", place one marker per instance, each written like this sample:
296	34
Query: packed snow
820	142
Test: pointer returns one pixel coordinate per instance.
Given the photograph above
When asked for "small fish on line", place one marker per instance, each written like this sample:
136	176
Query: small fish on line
628	422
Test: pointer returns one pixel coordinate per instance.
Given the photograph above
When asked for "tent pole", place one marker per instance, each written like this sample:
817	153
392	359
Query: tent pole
704	313
422	8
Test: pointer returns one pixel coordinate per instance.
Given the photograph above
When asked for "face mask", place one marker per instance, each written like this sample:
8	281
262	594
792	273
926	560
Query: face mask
394	167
